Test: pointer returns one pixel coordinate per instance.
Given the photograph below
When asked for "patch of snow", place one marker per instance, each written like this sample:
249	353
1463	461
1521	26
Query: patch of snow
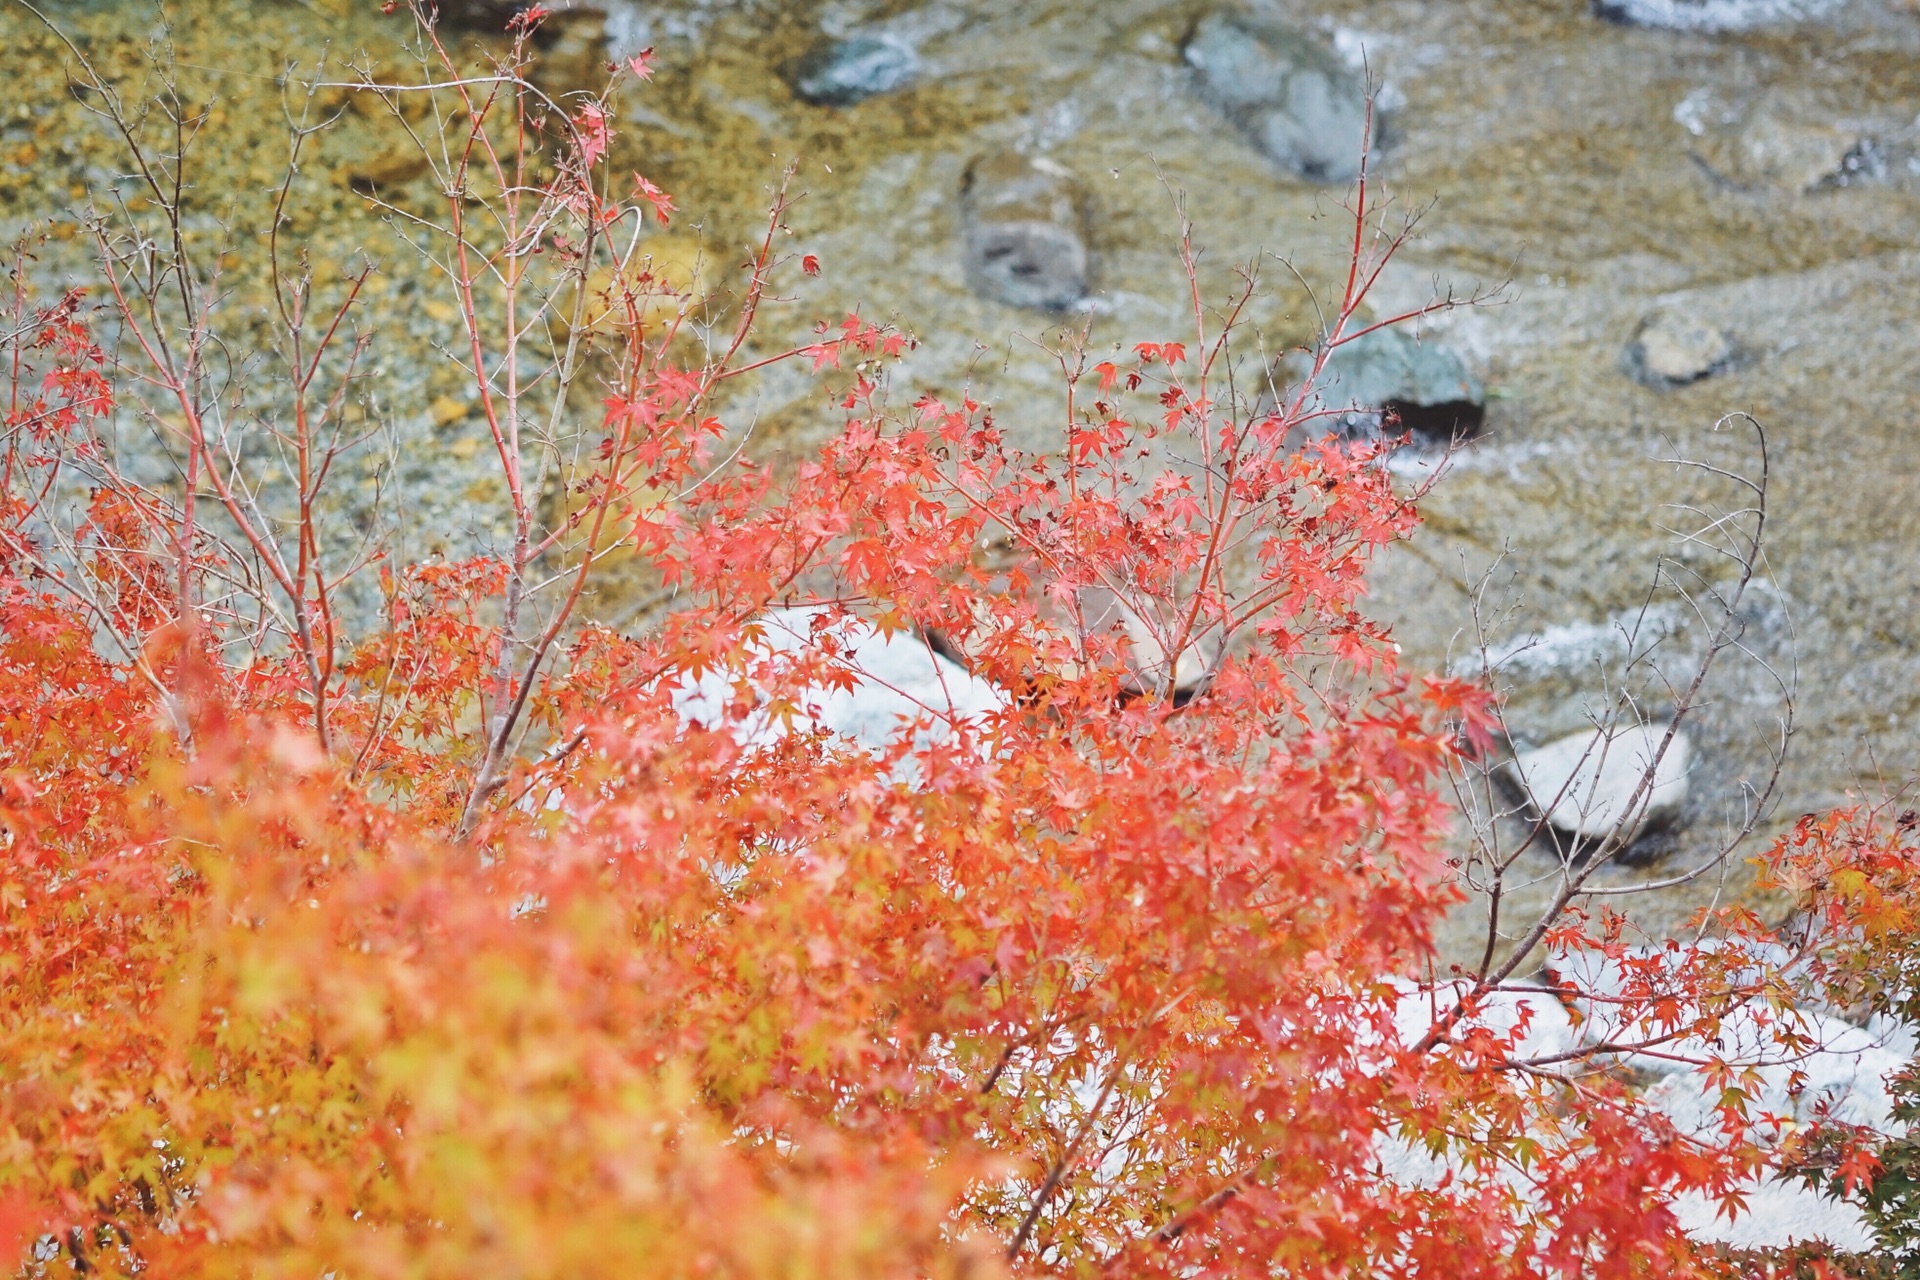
1715	15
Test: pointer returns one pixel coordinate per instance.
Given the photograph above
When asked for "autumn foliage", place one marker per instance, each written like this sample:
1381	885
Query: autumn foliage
441	939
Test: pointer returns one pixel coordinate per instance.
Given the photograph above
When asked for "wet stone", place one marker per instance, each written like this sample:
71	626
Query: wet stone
1710	15
484	15
1023	236
1674	348
1288	93
1752	142
387	170
839	73
1390	381
1587	784
573	50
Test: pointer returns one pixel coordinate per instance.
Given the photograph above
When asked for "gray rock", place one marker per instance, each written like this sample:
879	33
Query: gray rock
1289	94
1390	381
1673	348
1584	784
1710	15
1023	240
839	73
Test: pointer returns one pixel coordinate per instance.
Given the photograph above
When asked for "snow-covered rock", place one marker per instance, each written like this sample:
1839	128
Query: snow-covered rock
1809	1065
897	680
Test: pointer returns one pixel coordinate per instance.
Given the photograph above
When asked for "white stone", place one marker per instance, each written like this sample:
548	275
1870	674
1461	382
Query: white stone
898	682
1585	782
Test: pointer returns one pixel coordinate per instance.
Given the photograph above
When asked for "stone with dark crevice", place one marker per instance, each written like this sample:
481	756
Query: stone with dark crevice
1023	232
839	73
1389	383
1287	92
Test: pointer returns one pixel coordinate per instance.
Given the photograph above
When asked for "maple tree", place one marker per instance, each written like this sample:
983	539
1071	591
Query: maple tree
365	917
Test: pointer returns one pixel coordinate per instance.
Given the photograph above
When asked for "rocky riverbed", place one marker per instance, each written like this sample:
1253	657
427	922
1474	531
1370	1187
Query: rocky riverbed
1697	207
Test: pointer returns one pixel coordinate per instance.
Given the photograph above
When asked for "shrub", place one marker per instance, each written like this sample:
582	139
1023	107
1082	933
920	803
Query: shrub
435	937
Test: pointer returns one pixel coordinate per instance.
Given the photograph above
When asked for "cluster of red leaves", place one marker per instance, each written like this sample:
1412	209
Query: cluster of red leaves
1103	989
1104	982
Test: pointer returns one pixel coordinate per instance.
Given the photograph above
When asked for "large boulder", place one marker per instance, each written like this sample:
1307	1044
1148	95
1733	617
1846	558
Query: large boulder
839	73
1391	381
1022	227
1287	92
1587	785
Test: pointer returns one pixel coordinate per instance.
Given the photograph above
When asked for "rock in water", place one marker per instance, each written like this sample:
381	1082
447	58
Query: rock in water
1674	348
839	73
1584	784
1754	141
1023	238
1710	15
1389	378
1289	94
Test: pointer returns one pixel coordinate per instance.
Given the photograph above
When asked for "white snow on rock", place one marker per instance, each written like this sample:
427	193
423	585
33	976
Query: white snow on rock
1712	15
1844	1075
1586	783
898	679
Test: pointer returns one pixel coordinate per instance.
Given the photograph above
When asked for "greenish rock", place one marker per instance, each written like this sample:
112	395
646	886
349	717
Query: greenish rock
1389	380
1288	93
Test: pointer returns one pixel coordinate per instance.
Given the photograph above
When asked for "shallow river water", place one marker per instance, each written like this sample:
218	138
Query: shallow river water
1602	171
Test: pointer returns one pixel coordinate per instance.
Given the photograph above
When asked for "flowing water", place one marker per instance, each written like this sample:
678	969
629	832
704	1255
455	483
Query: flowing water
1761	179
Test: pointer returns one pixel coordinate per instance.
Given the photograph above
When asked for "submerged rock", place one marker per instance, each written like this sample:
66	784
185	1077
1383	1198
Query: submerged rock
1390	381
1023	238
1584	784
1710	15
573	50
839	73
487	15
1674	348
1752	142
1289	94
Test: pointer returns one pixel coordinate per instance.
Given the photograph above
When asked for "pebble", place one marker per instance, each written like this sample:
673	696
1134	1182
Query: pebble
1291	95
1424	387
1024	242
1673	348
839	73
1585	782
